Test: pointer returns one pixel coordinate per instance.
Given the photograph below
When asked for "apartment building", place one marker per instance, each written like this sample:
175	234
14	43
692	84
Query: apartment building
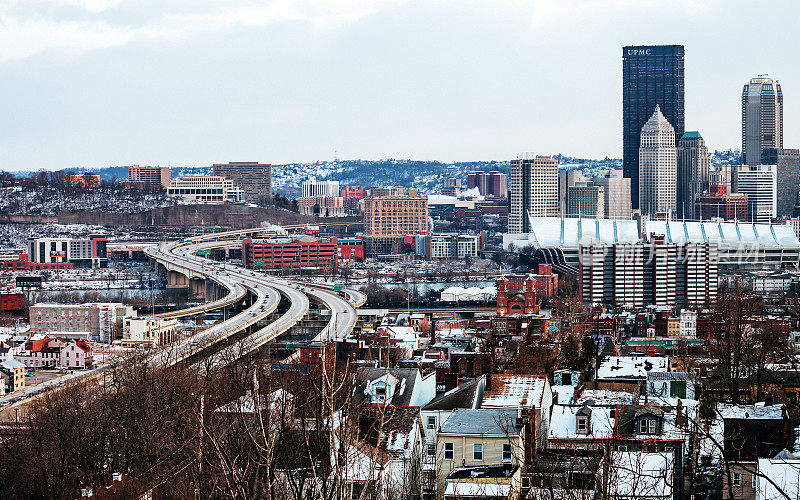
452	246
254	178
152	178
396	215
103	321
488	183
210	189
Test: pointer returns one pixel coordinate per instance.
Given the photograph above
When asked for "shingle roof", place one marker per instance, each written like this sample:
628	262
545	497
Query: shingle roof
466	395
483	421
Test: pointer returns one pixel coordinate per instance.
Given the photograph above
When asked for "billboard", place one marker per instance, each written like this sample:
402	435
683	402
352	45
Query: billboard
29	281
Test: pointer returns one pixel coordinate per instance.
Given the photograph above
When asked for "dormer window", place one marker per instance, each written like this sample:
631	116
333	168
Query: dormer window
380	393
648	426
582	424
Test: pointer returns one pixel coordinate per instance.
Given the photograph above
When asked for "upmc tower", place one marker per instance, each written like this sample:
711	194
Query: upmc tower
651	74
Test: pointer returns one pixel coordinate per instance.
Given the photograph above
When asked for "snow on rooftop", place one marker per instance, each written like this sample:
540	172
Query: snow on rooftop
514	391
631	366
459	489
563	423
772	412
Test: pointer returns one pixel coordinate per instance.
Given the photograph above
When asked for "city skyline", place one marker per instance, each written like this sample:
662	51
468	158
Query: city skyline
118	85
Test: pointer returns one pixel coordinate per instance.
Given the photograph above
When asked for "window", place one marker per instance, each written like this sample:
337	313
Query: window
380	393
448	451
737	479
582	425
431	450
431	422
506	452
647	426
477	451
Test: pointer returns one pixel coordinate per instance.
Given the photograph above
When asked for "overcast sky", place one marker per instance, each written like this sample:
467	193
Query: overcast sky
93	83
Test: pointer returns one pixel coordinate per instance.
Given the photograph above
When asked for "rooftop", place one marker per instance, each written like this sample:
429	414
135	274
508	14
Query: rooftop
483	421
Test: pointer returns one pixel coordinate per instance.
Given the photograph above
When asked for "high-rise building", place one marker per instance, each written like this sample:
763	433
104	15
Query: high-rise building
653	272
651	75
534	191
617	194
787	167
759	183
321	198
657	166
718	203
488	183
452	185
762	118
153	178
396	215
351	195
586	200
254	178
566	180
693	172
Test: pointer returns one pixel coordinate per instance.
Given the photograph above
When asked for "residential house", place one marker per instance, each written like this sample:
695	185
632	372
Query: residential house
478	438
394	387
466	396
529	395
15	371
382	451
581	428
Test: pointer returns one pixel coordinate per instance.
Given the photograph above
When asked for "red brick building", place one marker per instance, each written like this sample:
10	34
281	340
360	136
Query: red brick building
351	195
721	204
12	302
290	254
520	302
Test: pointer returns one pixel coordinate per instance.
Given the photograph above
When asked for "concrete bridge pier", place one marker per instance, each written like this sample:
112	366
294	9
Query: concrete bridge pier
177	280
197	287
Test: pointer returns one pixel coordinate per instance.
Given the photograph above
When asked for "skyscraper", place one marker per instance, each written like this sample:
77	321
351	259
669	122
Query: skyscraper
762	118
787	167
651	75
617	194
534	191
693	167
760	185
657	166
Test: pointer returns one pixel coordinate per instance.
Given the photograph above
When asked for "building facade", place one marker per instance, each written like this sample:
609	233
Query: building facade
491	183
452	246
396	215
351	196
658	165
148	331
254	178
81	252
762	118
719	204
651	75
102	320
760	184
534	191
321	198
586	200
152	178
212	189
693	172
617	194
787	170
288	254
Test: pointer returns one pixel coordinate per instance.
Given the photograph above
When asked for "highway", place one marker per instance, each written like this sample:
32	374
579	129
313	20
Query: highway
254	326
184	256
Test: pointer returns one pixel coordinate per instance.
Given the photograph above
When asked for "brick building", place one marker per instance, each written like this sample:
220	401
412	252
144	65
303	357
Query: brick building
290	254
721	204
396	215
152	178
